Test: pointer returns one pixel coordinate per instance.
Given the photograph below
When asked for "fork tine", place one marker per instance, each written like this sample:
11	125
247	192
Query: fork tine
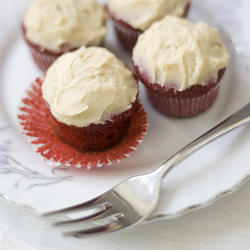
105	212
109	227
82	206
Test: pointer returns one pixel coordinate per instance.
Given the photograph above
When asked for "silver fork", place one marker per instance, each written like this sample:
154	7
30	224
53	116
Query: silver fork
132	201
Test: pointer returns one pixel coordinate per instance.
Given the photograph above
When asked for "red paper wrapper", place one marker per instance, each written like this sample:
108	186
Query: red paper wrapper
42	57
126	34
38	124
181	104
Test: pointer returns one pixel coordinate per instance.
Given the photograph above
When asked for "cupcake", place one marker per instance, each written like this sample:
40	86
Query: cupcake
92	97
53	27
181	64
132	17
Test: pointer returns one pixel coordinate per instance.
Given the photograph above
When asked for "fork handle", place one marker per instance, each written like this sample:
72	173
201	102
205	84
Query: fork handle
233	121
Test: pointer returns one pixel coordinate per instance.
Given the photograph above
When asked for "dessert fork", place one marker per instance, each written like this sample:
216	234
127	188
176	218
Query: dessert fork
132	201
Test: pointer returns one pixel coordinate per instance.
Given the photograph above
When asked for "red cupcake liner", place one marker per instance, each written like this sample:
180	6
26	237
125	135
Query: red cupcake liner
42	57
181	104
126	34
38	125
182	107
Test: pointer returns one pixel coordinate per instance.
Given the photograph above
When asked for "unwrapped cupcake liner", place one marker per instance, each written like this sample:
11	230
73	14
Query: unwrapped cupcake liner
37	124
182	107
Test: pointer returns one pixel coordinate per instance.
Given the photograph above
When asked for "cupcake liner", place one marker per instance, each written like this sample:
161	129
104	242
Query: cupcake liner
182	107
126	34
42	59
187	9
37	124
181	104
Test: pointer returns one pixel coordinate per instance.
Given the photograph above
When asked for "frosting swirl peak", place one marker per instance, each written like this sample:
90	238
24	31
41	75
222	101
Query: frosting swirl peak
140	14
53	24
87	86
177	53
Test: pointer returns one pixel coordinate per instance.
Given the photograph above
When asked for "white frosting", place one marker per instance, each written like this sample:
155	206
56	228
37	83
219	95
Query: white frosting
140	14
177	53
54	24
89	85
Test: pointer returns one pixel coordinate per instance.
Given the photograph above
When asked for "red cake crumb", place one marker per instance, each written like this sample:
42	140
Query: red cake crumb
97	136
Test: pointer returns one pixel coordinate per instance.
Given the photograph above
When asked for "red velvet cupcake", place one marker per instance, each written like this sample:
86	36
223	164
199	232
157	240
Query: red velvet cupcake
91	95
181	64
38	124
131	18
54	27
86	112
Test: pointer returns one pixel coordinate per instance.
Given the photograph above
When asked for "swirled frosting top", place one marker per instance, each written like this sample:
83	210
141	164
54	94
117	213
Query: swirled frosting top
140	14
87	86
55	24
177	53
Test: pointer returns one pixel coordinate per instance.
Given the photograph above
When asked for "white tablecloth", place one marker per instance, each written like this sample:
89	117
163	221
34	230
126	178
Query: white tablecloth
223	225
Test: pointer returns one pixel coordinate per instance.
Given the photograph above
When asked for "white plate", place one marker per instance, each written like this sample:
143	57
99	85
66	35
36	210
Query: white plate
220	168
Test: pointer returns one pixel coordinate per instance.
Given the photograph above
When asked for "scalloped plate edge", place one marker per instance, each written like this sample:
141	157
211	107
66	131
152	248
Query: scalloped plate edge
178	213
